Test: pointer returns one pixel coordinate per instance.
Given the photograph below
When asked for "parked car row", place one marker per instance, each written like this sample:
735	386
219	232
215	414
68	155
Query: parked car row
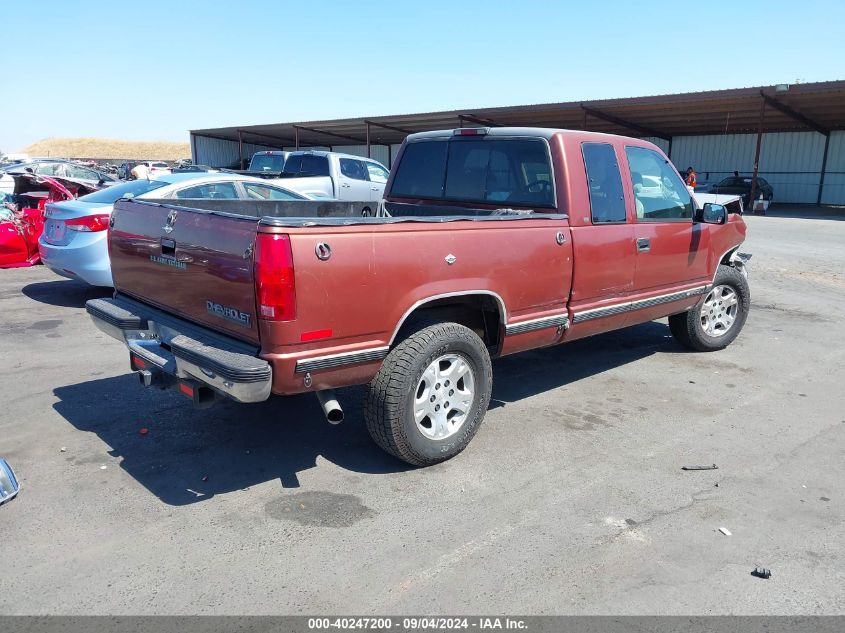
70	236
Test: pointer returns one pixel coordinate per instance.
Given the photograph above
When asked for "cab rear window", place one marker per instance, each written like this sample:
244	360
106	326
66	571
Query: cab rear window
307	165
490	170
267	162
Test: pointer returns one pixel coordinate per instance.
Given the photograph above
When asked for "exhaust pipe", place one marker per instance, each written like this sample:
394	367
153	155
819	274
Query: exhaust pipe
331	407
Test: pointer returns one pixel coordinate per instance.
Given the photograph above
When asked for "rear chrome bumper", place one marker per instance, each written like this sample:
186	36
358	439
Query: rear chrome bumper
163	347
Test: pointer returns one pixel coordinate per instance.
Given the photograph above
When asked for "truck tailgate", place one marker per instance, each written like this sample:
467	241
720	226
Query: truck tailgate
192	263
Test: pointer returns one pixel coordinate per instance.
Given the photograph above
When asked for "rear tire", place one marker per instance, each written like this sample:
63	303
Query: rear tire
715	321
431	394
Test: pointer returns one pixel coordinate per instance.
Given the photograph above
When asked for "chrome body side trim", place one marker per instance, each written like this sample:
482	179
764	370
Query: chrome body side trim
630	306
668	298
557	320
338	360
503	314
598	313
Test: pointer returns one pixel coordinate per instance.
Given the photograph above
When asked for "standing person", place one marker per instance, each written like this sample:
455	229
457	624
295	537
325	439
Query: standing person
691	178
140	172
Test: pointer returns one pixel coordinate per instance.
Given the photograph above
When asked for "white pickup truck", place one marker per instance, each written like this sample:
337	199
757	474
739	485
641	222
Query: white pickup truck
325	174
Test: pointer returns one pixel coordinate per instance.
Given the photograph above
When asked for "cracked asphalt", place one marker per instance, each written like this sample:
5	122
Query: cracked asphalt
570	500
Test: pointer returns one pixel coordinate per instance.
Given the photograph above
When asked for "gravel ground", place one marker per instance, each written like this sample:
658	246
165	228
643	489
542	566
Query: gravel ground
570	500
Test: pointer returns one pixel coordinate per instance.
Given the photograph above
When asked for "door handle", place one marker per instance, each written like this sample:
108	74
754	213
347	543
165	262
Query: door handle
643	244
345	185
374	188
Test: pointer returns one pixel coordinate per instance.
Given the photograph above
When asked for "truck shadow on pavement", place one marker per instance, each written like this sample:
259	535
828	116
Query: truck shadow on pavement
64	293
187	455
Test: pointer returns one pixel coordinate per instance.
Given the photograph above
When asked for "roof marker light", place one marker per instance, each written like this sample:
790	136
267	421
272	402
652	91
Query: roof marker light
471	131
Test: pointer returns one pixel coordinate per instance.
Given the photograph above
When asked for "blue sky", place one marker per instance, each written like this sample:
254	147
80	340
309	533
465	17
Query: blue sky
152	70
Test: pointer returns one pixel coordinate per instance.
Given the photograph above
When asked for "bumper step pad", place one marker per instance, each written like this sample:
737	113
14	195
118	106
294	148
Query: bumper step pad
230	365
107	310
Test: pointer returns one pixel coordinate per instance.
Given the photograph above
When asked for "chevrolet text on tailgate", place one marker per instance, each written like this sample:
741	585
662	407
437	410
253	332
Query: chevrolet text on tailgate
488	242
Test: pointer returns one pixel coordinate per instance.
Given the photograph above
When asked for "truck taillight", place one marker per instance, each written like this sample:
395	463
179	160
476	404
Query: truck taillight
89	223
274	283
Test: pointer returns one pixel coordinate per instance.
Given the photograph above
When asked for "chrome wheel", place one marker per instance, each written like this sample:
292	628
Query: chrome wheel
719	311
444	396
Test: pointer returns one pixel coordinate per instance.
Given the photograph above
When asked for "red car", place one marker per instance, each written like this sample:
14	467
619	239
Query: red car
22	221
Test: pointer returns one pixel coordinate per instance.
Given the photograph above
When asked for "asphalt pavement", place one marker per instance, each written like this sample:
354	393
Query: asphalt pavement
571	499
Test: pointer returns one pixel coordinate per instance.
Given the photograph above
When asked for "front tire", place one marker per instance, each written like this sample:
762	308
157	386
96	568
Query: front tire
431	394
715	321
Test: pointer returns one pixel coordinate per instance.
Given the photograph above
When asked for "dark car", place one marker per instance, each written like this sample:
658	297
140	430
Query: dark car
63	169
191	169
741	186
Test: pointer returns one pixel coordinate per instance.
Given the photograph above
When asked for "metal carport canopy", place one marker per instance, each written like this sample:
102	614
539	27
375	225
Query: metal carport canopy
799	107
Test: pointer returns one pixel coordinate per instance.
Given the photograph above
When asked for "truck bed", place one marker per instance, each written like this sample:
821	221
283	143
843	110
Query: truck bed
202	269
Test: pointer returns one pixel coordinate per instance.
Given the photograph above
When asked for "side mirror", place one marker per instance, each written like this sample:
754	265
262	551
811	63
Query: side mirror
9	485
712	213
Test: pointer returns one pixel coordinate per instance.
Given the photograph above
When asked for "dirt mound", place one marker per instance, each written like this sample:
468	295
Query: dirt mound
94	148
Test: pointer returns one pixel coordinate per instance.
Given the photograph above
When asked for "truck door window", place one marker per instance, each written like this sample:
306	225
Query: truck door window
377	173
607	202
352	168
659	193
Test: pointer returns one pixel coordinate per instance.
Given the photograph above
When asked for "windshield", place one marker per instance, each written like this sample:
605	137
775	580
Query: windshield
111	194
267	162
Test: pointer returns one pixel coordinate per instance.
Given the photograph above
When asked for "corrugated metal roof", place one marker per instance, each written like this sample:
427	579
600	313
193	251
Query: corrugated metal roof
800	107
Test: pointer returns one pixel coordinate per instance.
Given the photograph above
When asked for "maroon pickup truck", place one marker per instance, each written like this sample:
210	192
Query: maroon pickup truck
488	242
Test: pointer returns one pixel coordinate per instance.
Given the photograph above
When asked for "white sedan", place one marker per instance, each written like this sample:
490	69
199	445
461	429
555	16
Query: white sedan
74	243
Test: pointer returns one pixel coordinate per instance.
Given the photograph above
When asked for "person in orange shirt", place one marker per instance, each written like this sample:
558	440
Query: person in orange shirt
691	178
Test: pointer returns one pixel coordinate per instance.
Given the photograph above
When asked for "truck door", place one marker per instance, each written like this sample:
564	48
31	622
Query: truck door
354	184
602	243
378	180
671	250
